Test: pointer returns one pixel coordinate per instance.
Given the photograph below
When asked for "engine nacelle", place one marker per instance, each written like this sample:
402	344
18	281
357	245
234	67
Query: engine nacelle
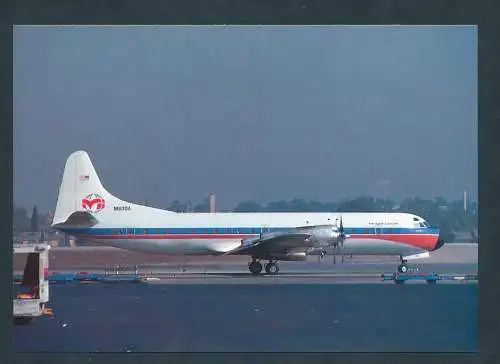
291	257
323	236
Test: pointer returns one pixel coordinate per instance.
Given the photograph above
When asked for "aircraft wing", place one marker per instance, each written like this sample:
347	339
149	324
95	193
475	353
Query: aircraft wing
275	243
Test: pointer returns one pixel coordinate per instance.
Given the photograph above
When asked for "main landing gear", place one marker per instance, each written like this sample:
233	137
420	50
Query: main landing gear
255	267
272	268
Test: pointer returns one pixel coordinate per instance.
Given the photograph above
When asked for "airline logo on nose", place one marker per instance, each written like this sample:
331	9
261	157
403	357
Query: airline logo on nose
93	203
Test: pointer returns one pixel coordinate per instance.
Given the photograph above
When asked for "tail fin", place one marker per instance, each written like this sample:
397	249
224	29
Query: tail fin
80	190
82	200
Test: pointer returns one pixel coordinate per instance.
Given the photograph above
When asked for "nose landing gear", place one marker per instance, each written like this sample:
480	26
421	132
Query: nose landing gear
403	268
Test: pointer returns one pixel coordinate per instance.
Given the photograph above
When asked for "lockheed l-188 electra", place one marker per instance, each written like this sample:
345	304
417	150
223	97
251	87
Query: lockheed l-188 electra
86	210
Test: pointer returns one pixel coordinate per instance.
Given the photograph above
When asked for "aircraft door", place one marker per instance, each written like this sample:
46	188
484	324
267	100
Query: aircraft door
372	230
264	229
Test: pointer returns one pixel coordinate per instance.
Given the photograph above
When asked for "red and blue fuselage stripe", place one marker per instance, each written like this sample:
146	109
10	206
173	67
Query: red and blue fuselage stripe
221	231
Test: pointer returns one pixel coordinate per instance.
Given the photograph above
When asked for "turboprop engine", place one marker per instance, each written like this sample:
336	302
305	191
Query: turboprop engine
323	236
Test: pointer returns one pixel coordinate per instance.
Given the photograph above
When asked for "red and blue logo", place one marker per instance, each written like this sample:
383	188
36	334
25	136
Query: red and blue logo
93	203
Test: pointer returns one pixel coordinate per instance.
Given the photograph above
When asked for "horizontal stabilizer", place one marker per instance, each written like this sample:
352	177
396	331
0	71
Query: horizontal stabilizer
77	219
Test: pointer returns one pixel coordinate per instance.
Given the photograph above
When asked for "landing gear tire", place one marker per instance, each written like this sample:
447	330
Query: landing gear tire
255	267
402	268
272	268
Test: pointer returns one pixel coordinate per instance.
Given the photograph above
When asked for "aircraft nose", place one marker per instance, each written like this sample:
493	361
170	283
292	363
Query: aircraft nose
439	243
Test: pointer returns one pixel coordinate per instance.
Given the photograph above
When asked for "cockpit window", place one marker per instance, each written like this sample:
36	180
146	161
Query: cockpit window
415	219
422	225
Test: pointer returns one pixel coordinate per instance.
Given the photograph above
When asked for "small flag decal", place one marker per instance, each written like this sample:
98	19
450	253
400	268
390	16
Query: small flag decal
84	178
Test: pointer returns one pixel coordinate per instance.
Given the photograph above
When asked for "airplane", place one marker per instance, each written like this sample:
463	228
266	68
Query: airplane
87	211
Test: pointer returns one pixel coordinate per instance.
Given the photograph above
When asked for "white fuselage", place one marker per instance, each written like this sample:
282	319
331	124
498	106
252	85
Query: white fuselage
86	210
158	231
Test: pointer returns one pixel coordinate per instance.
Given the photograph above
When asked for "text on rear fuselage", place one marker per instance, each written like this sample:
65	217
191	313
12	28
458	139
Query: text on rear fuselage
122	208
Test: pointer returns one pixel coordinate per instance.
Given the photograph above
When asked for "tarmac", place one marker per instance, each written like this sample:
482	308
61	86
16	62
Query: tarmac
138	317
452	259
101	256
208	305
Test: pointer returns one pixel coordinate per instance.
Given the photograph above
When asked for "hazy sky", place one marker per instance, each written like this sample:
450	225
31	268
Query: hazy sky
263	113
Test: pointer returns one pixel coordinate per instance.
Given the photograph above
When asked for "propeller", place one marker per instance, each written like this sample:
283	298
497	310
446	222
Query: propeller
339	242
342	236
341	232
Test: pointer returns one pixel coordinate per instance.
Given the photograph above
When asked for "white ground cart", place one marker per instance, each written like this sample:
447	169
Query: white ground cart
33	287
